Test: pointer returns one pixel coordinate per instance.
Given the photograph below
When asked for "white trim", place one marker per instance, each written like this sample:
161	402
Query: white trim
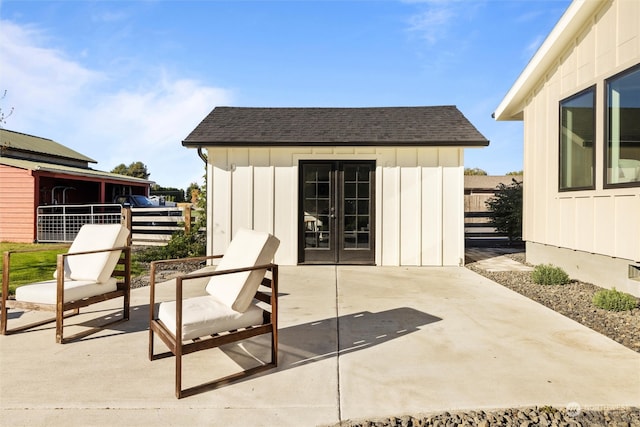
571	22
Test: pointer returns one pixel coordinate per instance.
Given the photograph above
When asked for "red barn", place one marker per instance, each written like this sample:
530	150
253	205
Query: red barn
37	171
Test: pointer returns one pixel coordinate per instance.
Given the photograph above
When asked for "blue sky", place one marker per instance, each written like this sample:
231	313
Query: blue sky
125	81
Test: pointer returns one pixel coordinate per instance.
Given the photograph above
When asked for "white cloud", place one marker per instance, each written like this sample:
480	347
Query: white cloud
432	24
533	46
55	97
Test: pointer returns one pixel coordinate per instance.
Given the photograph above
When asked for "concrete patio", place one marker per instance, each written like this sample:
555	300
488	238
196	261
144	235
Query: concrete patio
355	342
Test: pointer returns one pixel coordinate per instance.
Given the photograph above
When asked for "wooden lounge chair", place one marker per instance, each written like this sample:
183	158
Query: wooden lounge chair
97	267
236	306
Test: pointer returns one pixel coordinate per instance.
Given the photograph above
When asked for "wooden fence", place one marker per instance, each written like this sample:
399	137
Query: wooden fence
155	226
479	232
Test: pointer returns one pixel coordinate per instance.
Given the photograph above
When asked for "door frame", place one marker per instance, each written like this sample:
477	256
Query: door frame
341	255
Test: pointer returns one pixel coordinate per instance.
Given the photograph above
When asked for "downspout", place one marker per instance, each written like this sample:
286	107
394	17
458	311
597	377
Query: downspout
202	155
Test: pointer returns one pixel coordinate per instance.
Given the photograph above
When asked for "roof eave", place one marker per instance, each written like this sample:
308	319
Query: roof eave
219	144
574	18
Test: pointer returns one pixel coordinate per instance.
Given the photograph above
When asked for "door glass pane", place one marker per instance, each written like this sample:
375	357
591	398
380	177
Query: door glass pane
356	191
316	202
350	190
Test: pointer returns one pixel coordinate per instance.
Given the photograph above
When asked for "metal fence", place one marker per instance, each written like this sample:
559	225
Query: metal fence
61	223
149	226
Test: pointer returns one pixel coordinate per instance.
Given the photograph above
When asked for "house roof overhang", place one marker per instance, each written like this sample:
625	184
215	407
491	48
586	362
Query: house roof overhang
572	21
72	171
324	127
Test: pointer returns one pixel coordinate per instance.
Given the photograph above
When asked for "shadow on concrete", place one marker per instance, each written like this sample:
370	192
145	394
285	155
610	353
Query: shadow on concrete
323	339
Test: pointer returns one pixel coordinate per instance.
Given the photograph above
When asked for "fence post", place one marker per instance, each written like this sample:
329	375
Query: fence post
126	221
186	211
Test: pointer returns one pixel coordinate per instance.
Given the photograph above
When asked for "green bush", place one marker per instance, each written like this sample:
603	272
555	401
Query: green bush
613	300
181	245
506	207
547	274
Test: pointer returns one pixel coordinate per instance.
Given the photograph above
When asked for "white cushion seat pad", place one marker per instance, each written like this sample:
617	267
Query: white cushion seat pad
207	315
74	290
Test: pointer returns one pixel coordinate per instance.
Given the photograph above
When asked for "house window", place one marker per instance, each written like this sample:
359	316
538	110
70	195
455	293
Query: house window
577	130
622	154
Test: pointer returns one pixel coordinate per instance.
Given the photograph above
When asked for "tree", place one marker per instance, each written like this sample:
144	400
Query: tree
515	173
474	171
3	116
506	207
135	169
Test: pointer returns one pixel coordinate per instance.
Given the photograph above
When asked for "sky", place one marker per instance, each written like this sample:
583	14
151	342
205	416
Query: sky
126	81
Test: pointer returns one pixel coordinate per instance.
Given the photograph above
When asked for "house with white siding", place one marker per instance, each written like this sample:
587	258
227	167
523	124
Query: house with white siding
376	186
579	99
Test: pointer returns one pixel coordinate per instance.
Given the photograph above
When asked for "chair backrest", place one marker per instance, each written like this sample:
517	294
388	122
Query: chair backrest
97	267
248	248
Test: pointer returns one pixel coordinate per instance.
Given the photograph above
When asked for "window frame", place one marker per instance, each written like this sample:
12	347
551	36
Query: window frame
605	145
592	90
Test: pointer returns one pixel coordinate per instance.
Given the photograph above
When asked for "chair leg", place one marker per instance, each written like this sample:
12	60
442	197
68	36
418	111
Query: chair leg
4	315
59	325
274	347
179	373
150	343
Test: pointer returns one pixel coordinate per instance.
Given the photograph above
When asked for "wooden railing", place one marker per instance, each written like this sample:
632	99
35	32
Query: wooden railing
154	226
479	232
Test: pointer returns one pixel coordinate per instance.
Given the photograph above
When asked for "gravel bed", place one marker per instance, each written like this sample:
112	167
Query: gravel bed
169	273
573	300
522	417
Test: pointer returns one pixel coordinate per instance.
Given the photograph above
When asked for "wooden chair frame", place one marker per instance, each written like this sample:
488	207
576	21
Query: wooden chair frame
62	309
178	348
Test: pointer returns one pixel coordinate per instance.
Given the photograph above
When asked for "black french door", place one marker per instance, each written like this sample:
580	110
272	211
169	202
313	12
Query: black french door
336	212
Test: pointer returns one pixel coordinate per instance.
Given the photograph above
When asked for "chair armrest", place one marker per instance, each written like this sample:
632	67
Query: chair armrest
159	265
189	276
180	260
48	248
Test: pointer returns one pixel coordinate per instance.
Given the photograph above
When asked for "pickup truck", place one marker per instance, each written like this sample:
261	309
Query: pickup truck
134	201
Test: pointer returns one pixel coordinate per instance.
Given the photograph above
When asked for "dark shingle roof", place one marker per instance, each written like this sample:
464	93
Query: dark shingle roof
382	126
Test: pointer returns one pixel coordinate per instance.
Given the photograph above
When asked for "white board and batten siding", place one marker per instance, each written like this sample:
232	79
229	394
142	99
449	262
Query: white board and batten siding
603	221
419	199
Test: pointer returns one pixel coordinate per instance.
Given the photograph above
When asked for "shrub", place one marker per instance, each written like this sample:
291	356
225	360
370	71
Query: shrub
181	245
506	207
547	274
613	300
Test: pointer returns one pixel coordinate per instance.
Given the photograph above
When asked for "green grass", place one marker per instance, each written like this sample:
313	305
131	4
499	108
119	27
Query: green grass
29	267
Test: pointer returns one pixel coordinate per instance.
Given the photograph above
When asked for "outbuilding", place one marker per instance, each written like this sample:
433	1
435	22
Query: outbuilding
376	186
38	173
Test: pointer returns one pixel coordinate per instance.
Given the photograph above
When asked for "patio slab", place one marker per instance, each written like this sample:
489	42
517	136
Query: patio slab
355	342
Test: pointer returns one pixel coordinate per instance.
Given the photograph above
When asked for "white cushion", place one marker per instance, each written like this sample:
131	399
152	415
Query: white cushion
45	292
248	248
95	267
206	315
